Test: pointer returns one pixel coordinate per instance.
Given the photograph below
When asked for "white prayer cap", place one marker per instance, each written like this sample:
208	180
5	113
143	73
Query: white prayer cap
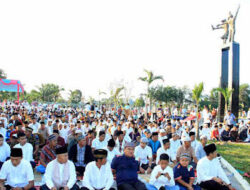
203	137
186	138
162	131
78	131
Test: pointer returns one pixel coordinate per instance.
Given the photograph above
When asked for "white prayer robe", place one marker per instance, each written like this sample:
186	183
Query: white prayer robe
95	178
97	144
161	151
3	131
207	169
111	154
194	144
35	127
27	151
162	180
143	154
206	132
18	176
174	145
4	152
50	172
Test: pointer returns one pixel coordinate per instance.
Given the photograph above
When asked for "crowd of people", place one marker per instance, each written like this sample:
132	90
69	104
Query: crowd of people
107	148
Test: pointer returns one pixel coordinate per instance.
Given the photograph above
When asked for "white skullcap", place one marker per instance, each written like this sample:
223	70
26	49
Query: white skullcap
186	138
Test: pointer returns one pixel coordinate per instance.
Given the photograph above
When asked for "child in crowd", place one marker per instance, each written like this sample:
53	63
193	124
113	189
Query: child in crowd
162	177
184	174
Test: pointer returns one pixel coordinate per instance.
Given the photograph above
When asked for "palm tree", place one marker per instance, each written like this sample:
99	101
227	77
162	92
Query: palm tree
99	94
196	95
226	93
117	96
149	79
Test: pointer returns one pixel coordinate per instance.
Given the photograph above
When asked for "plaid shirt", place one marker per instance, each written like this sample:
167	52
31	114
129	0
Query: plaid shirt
80	156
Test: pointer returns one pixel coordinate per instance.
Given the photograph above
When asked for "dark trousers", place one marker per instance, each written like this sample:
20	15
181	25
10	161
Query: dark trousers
33	164
1	164
9	187
80	170
45	187
145	166
132	186
85	188
213	185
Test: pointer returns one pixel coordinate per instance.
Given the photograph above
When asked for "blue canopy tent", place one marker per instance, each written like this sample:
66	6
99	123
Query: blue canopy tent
8	85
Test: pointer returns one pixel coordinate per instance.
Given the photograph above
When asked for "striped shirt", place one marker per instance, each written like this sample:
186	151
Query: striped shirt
48	154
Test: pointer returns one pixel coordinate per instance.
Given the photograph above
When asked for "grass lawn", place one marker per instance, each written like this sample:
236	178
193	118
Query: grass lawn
238	155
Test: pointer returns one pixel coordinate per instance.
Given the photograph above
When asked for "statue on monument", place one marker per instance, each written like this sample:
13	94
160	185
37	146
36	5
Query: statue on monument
229	27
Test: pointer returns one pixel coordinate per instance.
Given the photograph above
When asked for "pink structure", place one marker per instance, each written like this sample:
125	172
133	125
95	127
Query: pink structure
11	86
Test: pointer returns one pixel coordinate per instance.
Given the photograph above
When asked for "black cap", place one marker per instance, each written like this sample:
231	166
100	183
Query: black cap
16	152
61	150
100	153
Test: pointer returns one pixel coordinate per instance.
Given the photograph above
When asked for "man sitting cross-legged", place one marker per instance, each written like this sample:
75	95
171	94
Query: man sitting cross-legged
126	169
60	173
210	174
17	172
81	154
144	155
98	174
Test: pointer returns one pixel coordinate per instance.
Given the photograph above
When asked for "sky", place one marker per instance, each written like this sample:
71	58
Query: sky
89	45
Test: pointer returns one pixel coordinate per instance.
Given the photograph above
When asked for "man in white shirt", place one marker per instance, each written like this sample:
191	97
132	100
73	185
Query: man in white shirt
17	173
206	131
4	150
144	155
49	126
99	143
34	125
194	142
2	129
120	142
162	135
162	177
98	174
166	149
210	174
112	151
60	173
26	147
199	151
175	143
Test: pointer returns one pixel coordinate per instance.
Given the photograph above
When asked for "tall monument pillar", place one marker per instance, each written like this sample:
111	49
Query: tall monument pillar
229	77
